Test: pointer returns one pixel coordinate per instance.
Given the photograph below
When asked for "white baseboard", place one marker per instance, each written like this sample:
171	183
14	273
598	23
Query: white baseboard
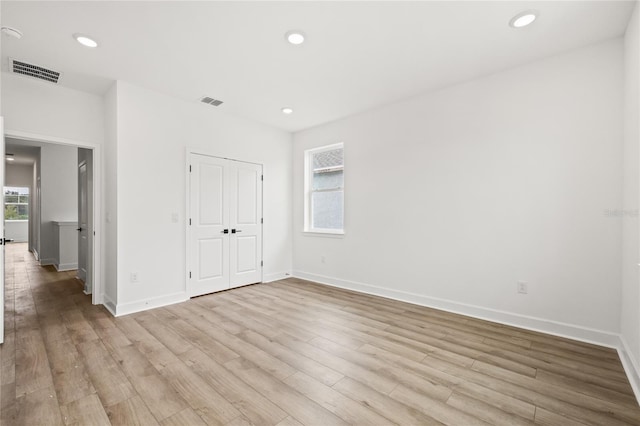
631	366
571	331
109	304
66	267
267	278
155	302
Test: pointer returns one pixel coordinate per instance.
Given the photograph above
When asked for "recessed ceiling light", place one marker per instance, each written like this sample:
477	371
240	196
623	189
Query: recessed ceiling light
12	32
523	19
287	110
295	37
85	40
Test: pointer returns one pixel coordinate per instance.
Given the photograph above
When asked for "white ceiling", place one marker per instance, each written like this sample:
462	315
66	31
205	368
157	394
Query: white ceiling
358	55
24	152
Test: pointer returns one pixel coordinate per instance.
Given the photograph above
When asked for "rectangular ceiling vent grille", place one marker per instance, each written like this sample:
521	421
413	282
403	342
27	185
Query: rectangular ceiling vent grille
211	101
30	70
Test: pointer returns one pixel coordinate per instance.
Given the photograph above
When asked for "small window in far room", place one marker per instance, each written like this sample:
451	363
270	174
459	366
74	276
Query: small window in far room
16	203
324	189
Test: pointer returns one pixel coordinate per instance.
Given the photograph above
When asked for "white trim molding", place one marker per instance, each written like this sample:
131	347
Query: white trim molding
145	304
571	331
47	262
268	278
66	267
630	365
109	304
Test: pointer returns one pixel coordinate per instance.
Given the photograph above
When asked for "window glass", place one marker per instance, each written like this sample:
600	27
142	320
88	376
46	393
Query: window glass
327	210
324	208
16	203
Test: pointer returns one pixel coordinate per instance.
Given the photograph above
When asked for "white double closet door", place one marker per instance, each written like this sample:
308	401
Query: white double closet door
225	228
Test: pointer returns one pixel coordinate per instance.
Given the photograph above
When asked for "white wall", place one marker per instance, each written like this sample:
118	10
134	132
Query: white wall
17	230
19	175
59	194
630	313
454	196
153	132
43	108
110	210
34	108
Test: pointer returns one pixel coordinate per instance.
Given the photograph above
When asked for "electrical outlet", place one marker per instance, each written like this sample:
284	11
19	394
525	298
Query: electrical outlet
134	277
323	259
523	287
174	217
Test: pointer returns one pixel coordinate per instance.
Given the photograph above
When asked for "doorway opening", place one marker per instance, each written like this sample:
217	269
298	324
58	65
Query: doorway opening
53	206
16	213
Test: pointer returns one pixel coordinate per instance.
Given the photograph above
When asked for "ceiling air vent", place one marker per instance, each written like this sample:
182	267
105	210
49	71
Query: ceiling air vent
211	101
30	70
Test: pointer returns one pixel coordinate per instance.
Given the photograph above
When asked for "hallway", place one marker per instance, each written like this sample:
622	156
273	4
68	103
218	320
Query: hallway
39	301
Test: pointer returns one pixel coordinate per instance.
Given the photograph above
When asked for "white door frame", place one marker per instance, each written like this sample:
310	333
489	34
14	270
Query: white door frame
2	235
97	295
187	234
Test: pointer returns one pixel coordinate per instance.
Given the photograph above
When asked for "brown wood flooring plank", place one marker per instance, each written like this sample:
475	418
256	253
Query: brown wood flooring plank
342	406
538	396
501	401
39	407
383	404
303	364
70	377
548	418
32	365
106	376
338	364
433	389
253	405
300	407
186	417
212	407
131	412
438	410
85	411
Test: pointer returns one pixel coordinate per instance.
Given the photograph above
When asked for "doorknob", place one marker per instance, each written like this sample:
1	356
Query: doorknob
233	231
226	231
79	229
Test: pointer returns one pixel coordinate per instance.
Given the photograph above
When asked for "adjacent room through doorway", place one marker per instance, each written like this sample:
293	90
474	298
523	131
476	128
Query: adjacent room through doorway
48	198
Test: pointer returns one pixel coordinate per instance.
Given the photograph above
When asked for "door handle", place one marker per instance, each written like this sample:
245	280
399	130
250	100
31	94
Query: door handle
4	241
233	231
79	229
226	231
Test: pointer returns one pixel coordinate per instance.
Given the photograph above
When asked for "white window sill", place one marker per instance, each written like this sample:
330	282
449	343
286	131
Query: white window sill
329	234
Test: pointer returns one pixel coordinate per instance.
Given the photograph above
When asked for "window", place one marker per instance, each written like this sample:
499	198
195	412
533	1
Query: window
324	189
16	203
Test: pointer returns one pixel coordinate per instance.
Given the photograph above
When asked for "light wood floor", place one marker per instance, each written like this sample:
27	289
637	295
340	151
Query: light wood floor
287	353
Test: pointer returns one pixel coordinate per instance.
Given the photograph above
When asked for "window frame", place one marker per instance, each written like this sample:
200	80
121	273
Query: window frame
309	191
17	203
